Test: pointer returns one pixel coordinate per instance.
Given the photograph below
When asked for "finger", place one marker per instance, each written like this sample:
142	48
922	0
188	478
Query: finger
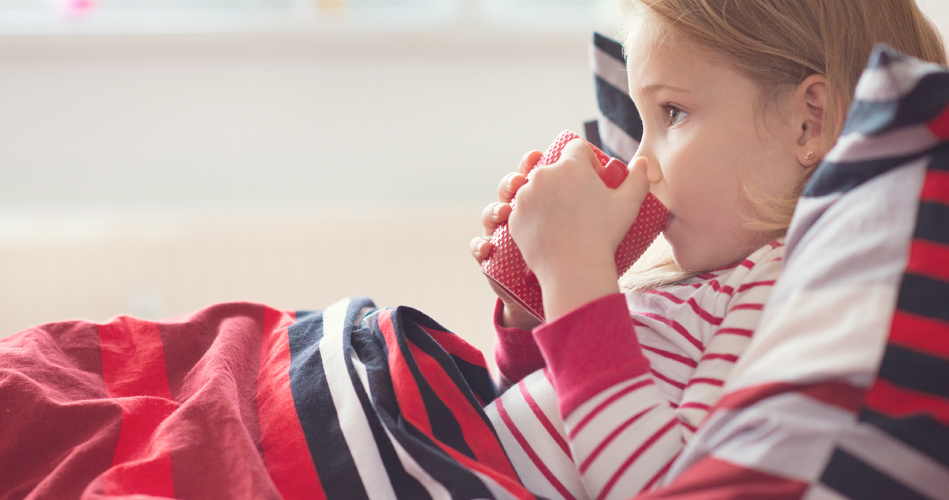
509	186
494	214
578	153
636	183
480	248
528	161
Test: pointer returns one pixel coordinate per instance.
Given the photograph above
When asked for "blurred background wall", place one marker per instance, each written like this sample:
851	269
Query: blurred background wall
157	157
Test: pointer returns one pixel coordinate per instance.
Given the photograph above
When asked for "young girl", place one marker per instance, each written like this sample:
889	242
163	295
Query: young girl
740	101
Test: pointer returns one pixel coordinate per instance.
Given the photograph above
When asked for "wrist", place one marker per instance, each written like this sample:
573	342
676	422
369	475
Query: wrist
566	291
516	317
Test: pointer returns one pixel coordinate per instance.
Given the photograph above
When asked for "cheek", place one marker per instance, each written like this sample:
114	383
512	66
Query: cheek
697	168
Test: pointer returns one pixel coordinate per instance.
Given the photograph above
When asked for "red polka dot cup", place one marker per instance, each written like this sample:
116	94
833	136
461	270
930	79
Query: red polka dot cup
505	266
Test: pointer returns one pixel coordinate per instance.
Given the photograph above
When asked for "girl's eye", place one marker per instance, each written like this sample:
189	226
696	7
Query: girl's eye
675	113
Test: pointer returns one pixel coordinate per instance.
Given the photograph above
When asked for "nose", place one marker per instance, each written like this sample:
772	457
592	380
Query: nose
653	168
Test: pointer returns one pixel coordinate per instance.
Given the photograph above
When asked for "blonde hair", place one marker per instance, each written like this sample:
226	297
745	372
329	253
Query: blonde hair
777	44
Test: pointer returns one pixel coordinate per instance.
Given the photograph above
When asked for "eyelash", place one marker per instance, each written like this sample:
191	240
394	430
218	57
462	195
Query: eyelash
669	107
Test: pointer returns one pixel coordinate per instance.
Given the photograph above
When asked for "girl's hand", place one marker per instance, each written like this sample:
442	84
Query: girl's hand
513	316
568	224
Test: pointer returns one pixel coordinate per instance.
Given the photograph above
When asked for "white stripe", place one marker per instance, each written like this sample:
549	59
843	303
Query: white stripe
610	70
831	333
893	81
821	492
903	141
788	435
615	138
897	460
353	422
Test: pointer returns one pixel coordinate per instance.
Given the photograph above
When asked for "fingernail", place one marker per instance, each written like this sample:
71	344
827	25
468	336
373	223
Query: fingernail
497	209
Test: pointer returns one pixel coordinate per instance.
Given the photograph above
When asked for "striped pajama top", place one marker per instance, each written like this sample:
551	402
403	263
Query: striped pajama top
602	400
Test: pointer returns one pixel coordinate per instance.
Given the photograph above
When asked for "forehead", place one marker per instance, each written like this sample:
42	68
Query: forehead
657	56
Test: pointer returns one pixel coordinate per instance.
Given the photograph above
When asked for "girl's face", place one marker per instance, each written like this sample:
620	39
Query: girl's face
707	142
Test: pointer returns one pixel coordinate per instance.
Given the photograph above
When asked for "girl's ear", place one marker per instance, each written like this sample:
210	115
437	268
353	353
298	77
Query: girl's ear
810	105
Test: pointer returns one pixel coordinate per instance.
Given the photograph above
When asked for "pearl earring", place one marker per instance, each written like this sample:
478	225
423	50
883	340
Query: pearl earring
809	155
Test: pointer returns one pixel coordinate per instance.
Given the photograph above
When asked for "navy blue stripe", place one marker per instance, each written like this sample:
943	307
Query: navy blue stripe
843	177
922	104
478	378
592	132
916	371
924	296
855	479
302	315
328	449
613	48
609	152
883	55
618	108
922	432
940	160
932	223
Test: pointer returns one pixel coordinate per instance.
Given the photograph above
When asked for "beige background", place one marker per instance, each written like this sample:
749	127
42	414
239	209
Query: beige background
156	174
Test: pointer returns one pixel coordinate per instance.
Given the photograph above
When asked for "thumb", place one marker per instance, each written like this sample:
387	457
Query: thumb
635	186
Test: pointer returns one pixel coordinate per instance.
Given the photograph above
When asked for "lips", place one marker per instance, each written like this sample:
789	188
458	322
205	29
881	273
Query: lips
669	222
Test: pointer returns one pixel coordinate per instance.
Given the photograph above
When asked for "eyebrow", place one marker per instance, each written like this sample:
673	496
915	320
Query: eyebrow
650	89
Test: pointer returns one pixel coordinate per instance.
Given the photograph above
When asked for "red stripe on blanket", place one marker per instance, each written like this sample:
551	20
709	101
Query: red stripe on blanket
920	333
716	479
403	383
837	394
940	124
476	432
935	187
284	445
899	402
133	368
929	258
457	346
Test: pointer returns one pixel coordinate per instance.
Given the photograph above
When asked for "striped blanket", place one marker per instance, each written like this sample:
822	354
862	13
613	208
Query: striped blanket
243	401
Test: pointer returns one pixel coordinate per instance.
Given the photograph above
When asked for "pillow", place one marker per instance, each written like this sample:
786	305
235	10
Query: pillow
844	390
617	129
